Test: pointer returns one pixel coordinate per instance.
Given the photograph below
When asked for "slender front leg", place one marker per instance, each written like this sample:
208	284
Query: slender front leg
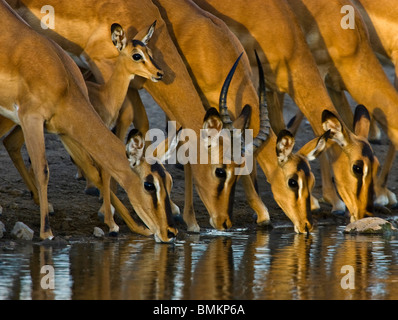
32	127
13	144
106	206
132	111
384	196
255	201
328	189
275	110
189	213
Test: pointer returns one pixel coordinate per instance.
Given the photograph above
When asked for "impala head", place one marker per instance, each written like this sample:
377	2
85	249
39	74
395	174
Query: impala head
355	168
136	52
292	181
216	186
155	187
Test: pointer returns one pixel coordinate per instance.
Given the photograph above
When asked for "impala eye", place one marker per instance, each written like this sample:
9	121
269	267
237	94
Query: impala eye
292	183
221	173
149	186
357	169
137	57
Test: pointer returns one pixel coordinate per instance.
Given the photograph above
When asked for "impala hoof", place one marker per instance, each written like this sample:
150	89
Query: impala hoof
394	206
265	225
113	234
316	211
178	219
92	192
382	209
338	213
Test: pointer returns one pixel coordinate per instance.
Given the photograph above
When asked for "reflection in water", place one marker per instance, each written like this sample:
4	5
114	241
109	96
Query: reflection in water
213	265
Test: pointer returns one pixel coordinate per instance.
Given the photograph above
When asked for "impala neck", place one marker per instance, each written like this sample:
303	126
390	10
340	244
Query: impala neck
114	91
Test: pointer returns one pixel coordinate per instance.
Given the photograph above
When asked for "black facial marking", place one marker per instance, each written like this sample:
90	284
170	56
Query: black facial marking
153	62
169	214
302	165
370	199
231	200
156	167
308	207
150	179
357	169
367	151
221	184
137	43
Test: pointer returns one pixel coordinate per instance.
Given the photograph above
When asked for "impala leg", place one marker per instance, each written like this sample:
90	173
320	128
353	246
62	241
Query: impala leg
339	99
106	206
13	144
329	192
275	110
189	213
132	111
295	122
374	132
383	195
140	118
32	127
255	201
83	160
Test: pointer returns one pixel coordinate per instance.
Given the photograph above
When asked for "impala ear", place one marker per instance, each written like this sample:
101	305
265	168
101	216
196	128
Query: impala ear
149	34
135	147
337	130
172	147
119	38
212	126
312	149
242	122
361	121
284	146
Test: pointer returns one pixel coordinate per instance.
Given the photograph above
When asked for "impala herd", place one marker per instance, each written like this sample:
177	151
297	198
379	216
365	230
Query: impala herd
210	65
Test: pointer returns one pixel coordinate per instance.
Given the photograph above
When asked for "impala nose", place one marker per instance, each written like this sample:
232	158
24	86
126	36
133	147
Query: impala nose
225	226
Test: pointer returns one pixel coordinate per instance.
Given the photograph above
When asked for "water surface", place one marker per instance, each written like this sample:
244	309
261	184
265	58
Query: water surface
239	264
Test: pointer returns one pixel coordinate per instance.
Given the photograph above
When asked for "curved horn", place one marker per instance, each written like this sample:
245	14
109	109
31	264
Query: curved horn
264	120
225	118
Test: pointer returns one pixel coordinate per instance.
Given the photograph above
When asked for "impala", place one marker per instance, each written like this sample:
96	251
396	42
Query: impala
59	102
87	38
346	60
222	43
380	21
290	68
135	59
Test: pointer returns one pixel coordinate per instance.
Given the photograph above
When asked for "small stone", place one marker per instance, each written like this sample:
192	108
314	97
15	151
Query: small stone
2	229
371	225
394	221
98	232
22	231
